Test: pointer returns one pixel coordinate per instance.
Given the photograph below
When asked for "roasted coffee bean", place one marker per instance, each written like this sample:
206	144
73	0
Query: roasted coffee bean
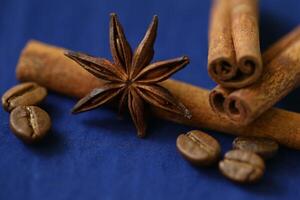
25	94
30	123
242	166
199	148
264	147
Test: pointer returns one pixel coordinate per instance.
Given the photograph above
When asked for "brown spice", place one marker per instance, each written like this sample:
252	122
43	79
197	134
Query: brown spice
130	78
47	66
234	58
281	75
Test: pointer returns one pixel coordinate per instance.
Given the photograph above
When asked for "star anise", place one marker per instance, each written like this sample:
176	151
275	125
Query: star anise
130	77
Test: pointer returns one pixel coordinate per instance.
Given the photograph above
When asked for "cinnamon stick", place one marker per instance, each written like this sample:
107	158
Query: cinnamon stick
281	75
217	98
48	66
234	58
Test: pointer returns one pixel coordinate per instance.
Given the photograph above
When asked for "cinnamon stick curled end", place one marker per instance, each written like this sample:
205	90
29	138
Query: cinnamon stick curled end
234	58
227	105
217	98
226	73
237	110
282	66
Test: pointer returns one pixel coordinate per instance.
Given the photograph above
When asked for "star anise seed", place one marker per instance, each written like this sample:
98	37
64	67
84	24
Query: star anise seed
131	78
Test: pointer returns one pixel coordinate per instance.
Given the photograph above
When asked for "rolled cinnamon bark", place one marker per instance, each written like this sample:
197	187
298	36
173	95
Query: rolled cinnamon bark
234	58
281	45
221	55
48	66
217	98
281	75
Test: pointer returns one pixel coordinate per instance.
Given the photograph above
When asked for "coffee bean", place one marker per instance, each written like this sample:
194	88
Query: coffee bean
29	123
25	94
199	148
242	166
264	147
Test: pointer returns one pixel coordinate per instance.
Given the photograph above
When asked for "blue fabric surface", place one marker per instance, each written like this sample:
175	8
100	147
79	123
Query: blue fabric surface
96	156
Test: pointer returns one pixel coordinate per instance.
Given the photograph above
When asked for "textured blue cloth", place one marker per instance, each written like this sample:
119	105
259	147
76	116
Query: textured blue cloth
96	156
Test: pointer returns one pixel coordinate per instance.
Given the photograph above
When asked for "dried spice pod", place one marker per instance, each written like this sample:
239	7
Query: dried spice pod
131	76
47	64
282	68
234	58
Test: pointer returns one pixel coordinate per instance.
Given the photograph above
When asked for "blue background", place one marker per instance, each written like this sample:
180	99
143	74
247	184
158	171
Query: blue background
96	156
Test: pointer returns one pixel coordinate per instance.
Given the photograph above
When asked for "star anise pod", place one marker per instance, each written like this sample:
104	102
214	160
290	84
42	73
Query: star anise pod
131	77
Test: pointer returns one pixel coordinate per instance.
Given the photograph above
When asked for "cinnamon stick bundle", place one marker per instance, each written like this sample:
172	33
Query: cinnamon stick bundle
234	58
281	75
48	66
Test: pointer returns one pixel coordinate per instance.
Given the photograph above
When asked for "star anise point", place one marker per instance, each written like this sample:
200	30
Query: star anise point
131	77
